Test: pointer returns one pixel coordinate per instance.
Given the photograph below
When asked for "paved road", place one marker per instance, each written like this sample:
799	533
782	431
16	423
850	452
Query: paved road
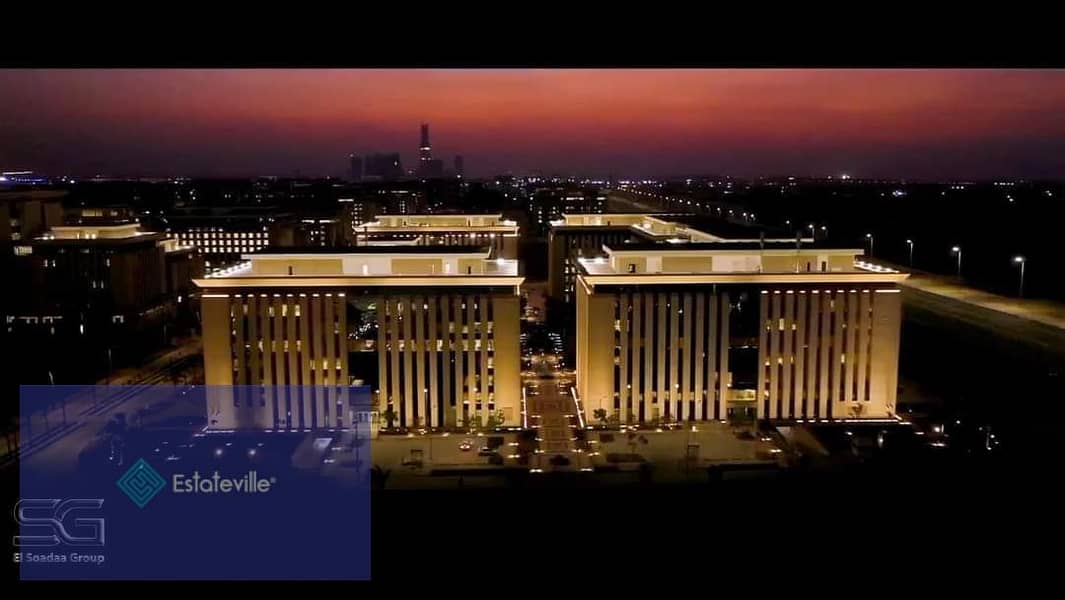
69	428
1039	322
553	412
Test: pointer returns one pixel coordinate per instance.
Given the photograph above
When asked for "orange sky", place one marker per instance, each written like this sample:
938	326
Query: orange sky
916	123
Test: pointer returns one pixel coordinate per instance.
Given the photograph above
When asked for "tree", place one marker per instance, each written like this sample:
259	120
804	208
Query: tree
473	421
379	476
600	415
495	420
390	416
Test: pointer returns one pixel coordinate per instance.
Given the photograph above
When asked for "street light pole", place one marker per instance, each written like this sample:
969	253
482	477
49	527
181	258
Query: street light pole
957	250
1020	289
910	242
869	237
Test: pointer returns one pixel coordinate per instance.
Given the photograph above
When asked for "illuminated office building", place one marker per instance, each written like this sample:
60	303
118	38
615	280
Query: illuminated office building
736	329
433	330
492	231
573	236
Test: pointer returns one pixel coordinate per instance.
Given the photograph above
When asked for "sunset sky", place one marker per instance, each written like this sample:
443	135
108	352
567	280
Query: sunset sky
870	123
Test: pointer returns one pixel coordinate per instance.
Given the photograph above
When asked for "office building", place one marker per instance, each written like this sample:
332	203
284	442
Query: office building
460	167
433	330
491	231
353	213
27	214
356	168
548	204
703	330
383	167
98	294
573	236
223	234
314	229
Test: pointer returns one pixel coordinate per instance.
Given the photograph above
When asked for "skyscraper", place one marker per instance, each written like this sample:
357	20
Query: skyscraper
459	167
356	167
425	151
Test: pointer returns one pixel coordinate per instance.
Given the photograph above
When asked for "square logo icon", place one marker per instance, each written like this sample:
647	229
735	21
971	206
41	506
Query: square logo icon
141	483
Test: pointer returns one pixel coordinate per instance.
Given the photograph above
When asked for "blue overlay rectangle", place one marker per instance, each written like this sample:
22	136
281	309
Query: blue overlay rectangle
133	482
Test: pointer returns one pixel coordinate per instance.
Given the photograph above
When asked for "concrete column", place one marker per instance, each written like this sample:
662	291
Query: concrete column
420	348
624	380
636	393
648	354
672	344
713	345
840	300
799	381
448	399
775	356
699	363
660	357
724	380
408	361
862	346
433	419
788	354
825	365
686	392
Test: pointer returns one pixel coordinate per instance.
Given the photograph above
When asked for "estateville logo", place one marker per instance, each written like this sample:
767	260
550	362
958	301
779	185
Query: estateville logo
141	483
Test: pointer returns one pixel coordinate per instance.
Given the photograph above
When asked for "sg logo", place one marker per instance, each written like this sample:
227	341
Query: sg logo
92	530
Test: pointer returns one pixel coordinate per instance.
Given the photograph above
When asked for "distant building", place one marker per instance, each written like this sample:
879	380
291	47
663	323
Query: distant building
491	231
98	295
434	169
460	168
353	213
383	167
356	168
428	167
222	234
425	149
433	330
550	203
308	230
27	214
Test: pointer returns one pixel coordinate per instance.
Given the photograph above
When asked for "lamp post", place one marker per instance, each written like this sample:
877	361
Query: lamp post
1020	260
956	250
910	243
869	237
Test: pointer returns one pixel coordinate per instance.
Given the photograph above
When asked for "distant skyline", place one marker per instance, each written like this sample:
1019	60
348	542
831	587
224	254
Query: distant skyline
916	124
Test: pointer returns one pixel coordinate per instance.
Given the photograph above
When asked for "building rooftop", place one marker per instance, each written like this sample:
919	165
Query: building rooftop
711	262
745	245
728	229
407	249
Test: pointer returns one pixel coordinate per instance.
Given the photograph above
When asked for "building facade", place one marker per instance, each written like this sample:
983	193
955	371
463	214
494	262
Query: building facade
89	297
433	330
492	231
575	236
714	331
